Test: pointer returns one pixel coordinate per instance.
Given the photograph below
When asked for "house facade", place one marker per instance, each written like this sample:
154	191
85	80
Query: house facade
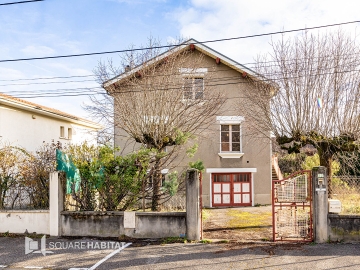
28	125
237	161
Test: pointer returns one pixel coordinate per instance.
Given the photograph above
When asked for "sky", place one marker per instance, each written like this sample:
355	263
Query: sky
64	27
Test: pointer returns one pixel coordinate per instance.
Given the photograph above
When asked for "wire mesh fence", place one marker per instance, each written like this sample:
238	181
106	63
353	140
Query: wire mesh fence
292	190
293	222
346	188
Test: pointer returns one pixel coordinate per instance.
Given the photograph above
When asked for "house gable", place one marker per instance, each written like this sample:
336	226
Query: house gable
193	45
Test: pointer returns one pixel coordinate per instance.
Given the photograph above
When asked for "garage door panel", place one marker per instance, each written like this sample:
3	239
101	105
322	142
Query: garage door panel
226	188
217	188
237	198
226	198
246	187
217	199
246	198
237	187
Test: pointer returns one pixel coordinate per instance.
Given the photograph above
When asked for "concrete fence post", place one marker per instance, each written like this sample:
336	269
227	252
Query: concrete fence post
320	204
56	203
193	215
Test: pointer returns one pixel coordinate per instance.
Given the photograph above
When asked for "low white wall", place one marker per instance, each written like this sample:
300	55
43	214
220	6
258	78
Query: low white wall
18	221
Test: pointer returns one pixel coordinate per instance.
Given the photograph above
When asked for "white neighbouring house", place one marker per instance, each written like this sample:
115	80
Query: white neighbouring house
28	125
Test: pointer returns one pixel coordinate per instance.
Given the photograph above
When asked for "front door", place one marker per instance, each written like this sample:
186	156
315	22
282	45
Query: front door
231	189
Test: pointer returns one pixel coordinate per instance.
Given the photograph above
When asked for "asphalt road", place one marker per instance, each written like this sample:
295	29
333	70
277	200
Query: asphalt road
179	256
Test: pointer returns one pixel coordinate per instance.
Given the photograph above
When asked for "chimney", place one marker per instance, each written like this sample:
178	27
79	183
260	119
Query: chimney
127	68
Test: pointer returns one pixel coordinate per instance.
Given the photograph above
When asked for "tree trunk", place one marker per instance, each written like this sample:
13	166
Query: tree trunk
156	186
326	161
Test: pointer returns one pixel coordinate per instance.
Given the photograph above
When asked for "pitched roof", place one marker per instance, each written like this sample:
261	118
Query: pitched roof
200	47
40	109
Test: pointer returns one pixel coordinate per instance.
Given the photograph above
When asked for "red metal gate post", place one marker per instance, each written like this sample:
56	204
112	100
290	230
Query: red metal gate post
201	206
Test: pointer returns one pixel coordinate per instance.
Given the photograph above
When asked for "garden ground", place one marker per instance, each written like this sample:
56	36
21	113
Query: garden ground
243	224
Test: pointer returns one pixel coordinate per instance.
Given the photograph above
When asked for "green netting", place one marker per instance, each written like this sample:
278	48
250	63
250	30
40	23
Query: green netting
64	163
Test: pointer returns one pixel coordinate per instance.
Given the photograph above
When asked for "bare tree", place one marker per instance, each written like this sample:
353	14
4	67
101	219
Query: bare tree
10	158
313	85
160	100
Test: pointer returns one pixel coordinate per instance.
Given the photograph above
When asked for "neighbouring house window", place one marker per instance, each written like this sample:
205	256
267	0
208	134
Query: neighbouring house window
230	138
193	88
151	181
62	132
69	133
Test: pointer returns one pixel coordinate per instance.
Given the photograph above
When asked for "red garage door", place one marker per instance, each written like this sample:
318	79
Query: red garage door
231	189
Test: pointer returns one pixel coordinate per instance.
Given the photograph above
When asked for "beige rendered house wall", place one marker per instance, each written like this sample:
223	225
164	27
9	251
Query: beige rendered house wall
256	148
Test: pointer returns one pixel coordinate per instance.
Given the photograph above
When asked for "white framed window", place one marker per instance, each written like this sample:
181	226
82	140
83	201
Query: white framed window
193	88
62	132
150	182
69	133
230	136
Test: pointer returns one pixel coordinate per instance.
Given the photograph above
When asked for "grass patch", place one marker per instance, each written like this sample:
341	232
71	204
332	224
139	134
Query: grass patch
205	214
15	235
205	241
350	203
171	240
246	220
224	241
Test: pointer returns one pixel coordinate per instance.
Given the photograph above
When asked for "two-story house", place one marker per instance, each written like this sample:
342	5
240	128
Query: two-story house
238	163
28	125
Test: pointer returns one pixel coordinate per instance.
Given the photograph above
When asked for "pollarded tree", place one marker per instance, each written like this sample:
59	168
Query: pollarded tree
313	84
161	99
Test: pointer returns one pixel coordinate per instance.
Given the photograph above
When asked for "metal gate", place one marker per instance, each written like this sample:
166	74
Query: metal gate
292	208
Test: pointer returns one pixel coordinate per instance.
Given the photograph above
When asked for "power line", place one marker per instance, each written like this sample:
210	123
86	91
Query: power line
169	74
81	92
294	60
20	2
172	46
48	78
46	83
217	70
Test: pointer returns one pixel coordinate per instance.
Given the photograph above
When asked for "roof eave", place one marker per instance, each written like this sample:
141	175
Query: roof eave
45	112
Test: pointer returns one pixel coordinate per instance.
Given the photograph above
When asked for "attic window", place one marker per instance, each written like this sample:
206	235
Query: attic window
193	88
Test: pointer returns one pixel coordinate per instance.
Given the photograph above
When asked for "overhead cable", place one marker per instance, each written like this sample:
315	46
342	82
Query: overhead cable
172	46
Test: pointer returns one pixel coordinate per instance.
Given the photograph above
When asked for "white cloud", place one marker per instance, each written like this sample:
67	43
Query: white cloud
35	51
10	74
213	19
132	2
72	47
